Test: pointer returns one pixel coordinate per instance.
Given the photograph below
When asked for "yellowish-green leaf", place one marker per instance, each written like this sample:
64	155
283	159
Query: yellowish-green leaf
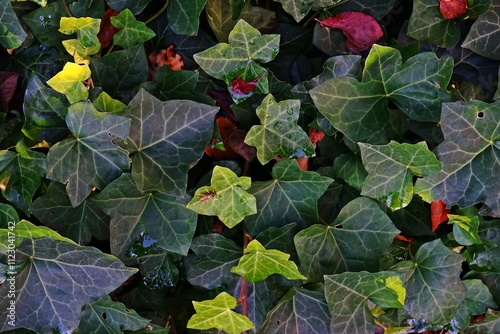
259	263
218	313
69	82
86	29
465	229
106	103
132	31
42	3
226	198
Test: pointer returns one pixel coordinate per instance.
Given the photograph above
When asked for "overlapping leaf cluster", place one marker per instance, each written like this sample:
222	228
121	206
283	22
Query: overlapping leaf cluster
315	215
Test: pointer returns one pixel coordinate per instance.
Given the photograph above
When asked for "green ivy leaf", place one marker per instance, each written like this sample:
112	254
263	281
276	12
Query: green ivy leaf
347	294
218	313
85	8
79	223
69	82
21	174
427	24
87	43
144	221
58	277
349	168
259	263
135	6
484	30
470	171
279	134
111	317
44	23
364	234
7	215
90	158
434	290
225	198
300	311
166	139
291	188
132	31
465	229
106	103
490	324
360	109
391	168
184	17
12	34
247	48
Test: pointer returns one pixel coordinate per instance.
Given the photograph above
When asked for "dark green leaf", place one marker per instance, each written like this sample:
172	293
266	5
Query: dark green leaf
44	23
292	189
90	158
88	8
158	271
465	229
166	139
135	6
107	316
131	31
184	17
144	221
349	168
55	278
484	30
8	215
490	324
11	31
353	242
281	239
79	223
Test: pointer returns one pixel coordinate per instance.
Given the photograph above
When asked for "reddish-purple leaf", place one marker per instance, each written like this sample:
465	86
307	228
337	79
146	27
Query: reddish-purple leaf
240	86
8	84
452	9
361	30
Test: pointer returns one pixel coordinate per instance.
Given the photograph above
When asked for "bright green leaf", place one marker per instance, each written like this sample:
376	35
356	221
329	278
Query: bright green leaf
144	221
69	82
485	30
107	316
465	229
8	215
184	17
258	263
54	209
295	191
57	277
166	139
347	295
90	158
360	109
365	232
87	43
391	168
132	31
470	155
218	313
21	174
434	290
11	31
225	198
279	134
106	103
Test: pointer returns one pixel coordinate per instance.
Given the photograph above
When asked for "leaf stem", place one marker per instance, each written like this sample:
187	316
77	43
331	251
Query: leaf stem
154	17
65	4
310	19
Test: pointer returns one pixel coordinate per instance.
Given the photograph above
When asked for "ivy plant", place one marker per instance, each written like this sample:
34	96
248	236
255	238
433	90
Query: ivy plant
284	166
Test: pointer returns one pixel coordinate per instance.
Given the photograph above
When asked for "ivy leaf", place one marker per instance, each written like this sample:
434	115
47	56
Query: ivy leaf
478	40
21	174
69	82
7	215
184	17
132	31
135	6
166	139
12	35
349	168
259	263
143	221
87	43
90	158
44	23
391	168
347	295
218	313
279	134
360	109
465	229
54	209
427	24
364	234
111	317
247	48
470	171
300	311
44	112
434	290
292	189
225	198
57	277
490	324
106	103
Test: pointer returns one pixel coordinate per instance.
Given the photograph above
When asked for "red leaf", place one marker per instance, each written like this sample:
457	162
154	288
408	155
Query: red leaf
452	9
315	136
8	84
226	127
240	86
107	30
166	57
439	214
403	238
236	142
361	30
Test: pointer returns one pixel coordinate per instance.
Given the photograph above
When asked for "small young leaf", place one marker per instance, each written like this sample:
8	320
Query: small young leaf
218	313
226	198
69	82
87	43
106	103
259	263
465	229
132	31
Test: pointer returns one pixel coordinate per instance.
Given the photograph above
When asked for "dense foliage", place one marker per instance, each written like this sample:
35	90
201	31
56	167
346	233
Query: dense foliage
287	166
